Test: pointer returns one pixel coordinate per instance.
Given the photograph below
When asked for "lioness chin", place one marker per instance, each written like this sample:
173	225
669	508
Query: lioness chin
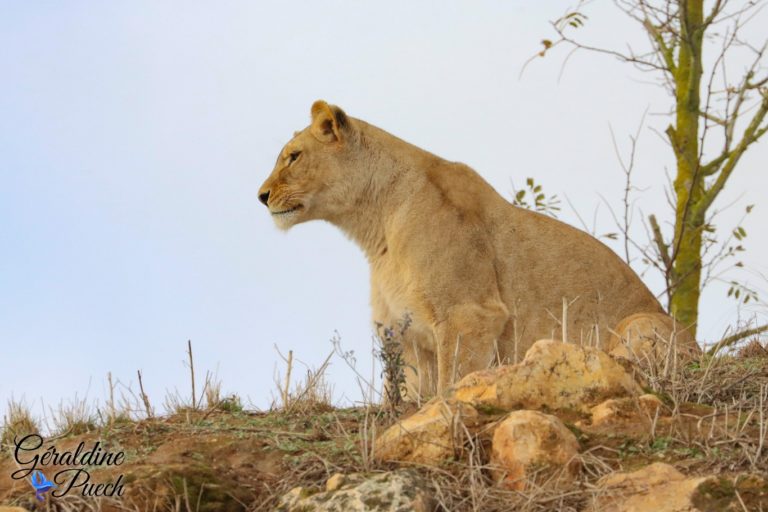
481	279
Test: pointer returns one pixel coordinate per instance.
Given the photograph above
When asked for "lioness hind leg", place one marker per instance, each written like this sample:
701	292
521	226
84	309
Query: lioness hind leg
467	340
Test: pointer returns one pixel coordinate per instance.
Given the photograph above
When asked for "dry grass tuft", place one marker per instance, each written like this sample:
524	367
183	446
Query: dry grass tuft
753	349
313	394
73	417
18	422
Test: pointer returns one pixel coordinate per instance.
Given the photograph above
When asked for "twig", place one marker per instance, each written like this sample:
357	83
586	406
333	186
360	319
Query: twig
735	338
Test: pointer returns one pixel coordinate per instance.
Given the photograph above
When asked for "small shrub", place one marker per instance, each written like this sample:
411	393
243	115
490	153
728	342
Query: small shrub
390	353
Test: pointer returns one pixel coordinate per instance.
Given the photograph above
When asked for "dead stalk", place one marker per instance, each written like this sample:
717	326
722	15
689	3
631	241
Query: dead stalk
192	373
112	410
144	397
565	320
287	386
455	360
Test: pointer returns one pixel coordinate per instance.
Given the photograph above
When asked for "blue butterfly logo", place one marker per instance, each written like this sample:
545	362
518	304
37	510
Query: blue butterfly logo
41	484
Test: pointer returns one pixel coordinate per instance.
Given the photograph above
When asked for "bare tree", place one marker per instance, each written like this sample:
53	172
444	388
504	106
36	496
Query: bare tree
715	118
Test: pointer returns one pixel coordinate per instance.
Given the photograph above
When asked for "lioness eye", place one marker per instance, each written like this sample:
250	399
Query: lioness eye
293	156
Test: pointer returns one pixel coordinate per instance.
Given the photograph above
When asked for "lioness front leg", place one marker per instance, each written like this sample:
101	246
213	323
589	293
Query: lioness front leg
467	339
420	369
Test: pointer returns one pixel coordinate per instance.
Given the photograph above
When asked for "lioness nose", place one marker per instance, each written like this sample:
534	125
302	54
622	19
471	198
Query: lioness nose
264	197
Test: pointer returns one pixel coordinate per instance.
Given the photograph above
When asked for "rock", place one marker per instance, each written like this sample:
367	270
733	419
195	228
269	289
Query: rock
527	441
649	476
661	488
625	409
335	482
655	488
654	337
429	436
396	491
650	404
553	375
608	411
745	492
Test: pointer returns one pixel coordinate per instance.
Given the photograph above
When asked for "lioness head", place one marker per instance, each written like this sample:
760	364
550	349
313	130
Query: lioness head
314	176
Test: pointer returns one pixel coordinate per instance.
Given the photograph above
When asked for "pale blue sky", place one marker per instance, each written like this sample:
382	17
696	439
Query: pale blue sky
134	136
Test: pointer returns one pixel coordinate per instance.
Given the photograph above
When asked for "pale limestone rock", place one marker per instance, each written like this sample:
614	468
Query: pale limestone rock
335	482
626	409
553	375
655	488
607	411
652	475
527	441
396	491
661	488
430	436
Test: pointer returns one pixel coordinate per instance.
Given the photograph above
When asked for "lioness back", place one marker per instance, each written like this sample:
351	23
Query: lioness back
565	263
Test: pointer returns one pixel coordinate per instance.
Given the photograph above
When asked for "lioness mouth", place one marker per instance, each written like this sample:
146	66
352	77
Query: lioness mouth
289	210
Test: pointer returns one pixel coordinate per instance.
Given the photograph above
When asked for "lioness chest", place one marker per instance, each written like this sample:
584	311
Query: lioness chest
396	294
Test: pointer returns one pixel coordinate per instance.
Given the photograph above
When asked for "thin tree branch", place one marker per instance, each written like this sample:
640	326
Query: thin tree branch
662	247
665	51
752	133
735	338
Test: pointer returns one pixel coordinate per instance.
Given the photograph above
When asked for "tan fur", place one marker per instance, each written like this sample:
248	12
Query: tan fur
480	278
651	337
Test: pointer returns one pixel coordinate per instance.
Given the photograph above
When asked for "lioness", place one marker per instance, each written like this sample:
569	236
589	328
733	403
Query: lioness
481	279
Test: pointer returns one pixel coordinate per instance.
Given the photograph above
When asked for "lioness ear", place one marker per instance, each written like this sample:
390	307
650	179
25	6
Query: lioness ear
328	122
